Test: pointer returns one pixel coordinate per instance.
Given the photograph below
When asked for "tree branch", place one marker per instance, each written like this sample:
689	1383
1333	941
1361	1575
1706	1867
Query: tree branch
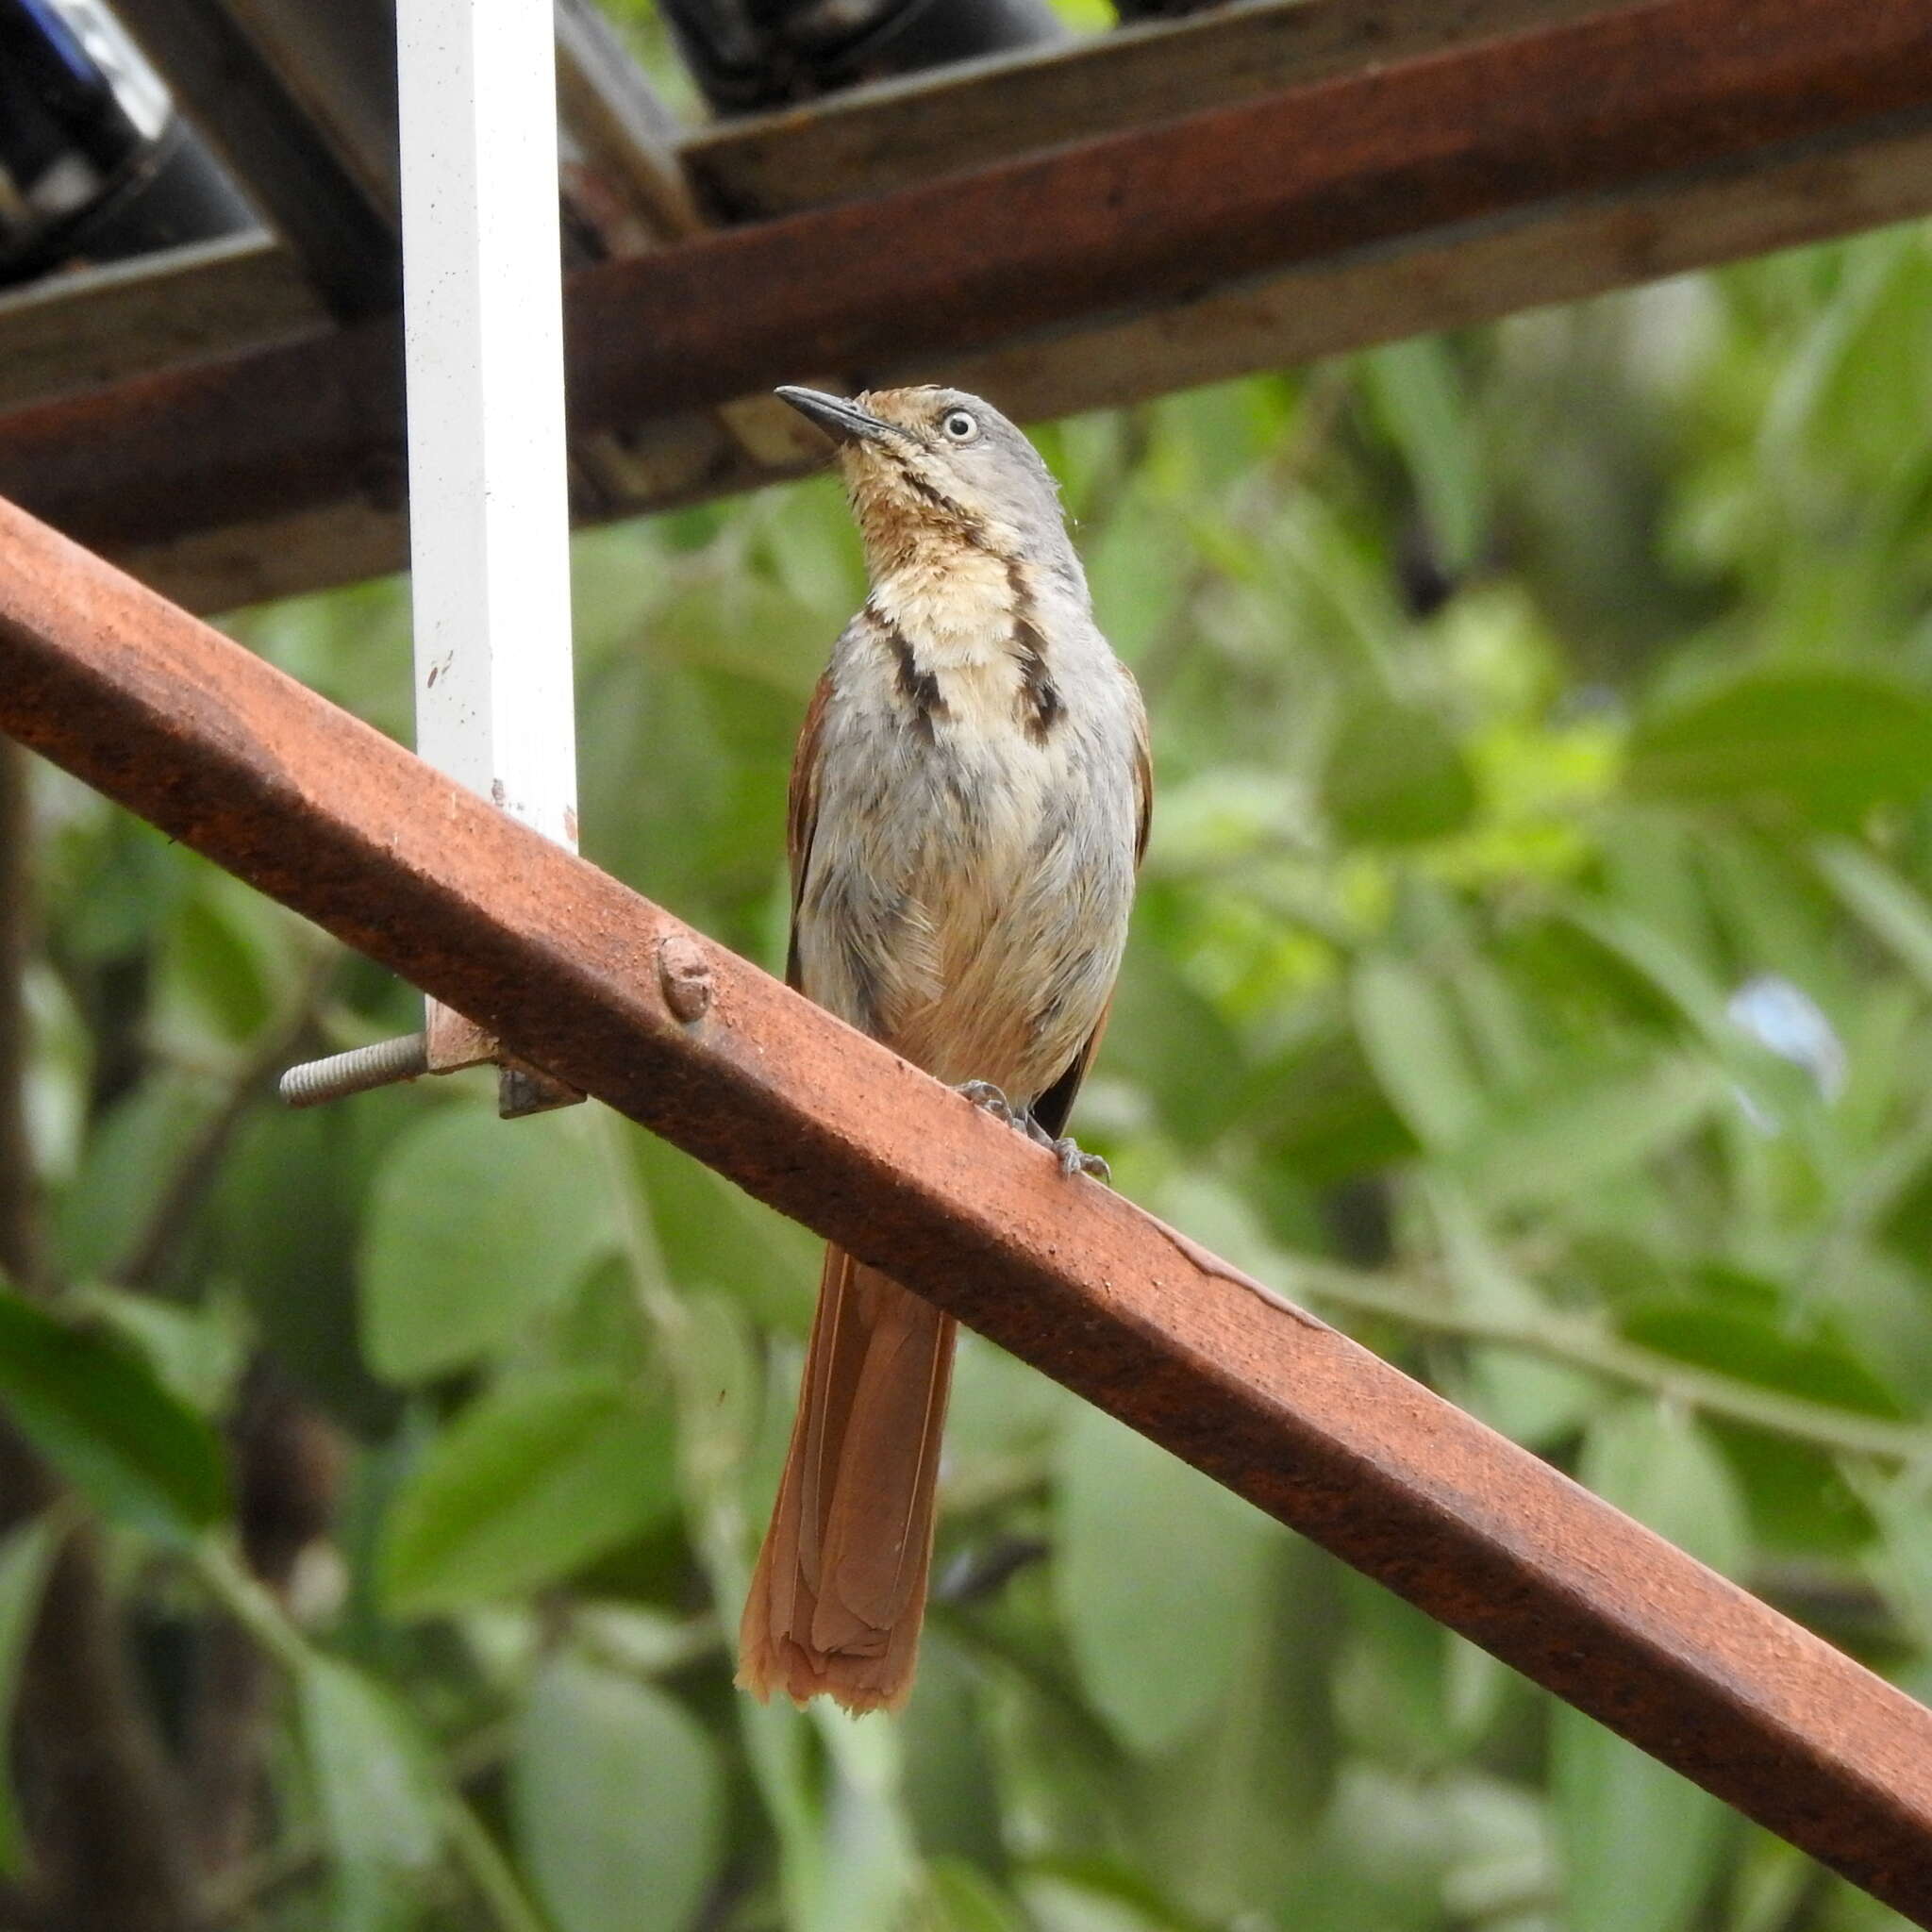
273	1048
288	1464
110	1840
1579	1345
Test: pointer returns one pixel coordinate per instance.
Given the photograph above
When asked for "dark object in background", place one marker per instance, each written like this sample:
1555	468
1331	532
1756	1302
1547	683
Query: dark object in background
96	164
750	54
1131	10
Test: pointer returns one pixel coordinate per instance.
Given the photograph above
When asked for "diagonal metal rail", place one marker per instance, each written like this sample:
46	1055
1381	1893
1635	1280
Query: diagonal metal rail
589	981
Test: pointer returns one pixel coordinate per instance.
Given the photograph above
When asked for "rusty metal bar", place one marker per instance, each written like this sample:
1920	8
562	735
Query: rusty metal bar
1643	92
584	978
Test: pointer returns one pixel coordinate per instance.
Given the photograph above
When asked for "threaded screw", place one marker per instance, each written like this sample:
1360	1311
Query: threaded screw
356	1071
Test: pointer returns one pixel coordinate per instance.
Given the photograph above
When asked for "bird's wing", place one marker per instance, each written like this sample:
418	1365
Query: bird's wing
1053	1106
802	811
1143	774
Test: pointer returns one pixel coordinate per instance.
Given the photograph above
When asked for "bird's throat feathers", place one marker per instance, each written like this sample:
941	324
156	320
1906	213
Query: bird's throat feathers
957	593
953	605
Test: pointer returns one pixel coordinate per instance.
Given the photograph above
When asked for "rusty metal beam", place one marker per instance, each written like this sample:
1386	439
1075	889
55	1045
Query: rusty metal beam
584	978
944	120
1642	96
96	325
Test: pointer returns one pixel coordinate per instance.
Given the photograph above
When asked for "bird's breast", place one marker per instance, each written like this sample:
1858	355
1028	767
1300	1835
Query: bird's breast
971	873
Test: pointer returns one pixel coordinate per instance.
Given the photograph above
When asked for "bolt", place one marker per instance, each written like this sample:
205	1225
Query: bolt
685	974
356	1071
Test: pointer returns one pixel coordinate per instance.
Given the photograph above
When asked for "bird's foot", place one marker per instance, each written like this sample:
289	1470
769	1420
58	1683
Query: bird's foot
989	1099
1073	1157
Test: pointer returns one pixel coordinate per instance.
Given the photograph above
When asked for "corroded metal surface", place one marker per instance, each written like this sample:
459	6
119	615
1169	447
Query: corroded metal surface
1646	92
570	969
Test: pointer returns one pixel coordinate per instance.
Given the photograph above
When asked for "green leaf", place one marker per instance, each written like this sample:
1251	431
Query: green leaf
1225	1818
1545	1150
1798	1497
1527	1399
1175	1042
1893	912
1775	1088
1641	1843
1745	1344
1138	565
616	1802
1397	777
526	1486
1826	743
198	1352
27	1554
476	1226
958	1898
98	1414
1409	1034
223	964
1157	1580
1415	392
1901	1562
379	1793
1670	968
287	1209
949	1785
131	1161
1656	1464
1097	1892
1408	1692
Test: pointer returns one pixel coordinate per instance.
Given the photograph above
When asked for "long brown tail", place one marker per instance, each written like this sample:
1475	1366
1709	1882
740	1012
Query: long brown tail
838	1593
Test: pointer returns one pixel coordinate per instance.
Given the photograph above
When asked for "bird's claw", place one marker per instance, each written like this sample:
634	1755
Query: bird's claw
989	1099
1073	1157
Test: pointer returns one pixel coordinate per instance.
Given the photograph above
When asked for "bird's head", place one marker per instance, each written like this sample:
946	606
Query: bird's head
927	464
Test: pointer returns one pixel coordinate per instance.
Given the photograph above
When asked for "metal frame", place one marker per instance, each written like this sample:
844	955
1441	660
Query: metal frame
1352	191
588	980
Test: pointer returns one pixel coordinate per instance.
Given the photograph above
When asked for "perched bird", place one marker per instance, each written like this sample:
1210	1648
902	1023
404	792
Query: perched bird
969	804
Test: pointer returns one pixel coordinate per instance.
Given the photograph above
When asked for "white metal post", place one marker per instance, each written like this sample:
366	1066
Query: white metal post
483	336
483	328
488	514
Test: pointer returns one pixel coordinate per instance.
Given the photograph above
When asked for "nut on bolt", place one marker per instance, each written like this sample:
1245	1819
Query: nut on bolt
685	974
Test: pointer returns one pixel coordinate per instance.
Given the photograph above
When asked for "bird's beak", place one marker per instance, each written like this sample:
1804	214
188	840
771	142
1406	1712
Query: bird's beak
842	421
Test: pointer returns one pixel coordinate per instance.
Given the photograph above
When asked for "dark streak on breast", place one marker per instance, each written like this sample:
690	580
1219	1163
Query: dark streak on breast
1040	701
919	689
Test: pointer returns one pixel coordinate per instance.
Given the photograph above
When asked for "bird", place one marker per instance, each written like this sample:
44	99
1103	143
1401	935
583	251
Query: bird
968	808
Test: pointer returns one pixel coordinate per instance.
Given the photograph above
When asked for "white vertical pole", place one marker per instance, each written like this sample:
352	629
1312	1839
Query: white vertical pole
488	536
488	517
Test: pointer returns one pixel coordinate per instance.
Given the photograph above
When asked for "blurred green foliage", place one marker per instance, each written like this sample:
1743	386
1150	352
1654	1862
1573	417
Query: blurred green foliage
1538	919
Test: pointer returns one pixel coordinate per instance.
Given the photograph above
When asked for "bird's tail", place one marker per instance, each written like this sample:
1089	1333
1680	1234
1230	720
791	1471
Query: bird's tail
838	1593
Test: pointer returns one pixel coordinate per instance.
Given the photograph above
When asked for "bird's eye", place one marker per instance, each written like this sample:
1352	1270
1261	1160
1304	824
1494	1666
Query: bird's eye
960	425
